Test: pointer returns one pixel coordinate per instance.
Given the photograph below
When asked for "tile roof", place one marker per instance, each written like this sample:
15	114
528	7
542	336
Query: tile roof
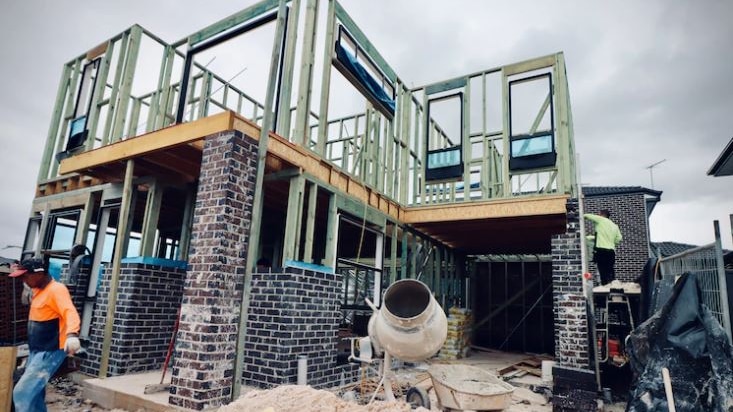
669	248
590	191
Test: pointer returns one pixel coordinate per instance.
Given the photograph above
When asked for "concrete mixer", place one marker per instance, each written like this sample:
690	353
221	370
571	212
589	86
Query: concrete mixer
410	326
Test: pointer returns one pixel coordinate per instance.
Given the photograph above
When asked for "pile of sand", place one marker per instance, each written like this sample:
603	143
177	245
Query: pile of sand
294	398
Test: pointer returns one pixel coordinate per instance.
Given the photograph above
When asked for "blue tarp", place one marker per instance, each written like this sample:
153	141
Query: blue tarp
371	85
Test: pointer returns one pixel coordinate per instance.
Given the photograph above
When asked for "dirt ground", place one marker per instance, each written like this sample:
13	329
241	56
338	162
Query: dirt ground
64	395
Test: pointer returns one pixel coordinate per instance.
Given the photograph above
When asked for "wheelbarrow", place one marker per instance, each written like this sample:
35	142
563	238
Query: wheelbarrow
465	387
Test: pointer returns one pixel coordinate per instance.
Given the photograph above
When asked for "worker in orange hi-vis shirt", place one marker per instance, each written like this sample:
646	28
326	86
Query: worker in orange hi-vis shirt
53	332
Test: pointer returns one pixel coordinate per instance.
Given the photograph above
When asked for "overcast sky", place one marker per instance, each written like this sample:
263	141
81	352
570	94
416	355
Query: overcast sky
648	80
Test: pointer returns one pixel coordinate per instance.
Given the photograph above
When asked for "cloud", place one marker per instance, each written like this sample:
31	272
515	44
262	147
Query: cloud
648	80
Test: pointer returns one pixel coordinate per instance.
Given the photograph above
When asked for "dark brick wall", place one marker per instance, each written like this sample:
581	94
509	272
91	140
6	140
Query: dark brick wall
291	314
571	320
628	211
13	313
148	298
206	343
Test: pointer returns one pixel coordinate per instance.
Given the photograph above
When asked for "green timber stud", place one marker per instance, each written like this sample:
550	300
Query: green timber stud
436	270
126	84
298	220
414	249
326	78
389	150
150	219
403	149
257	202
310	223
393	254
424	137
331	231
233	20
120	242
134	117
159	97
203	101
505	178
85	219
566	160
42	230
305	84
403	258
288	62
466	141
486	183
115	89
98	93
415	149
294	214
53	129
185	236
60	139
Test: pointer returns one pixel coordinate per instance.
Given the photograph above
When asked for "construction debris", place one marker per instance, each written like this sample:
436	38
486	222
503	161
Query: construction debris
296	398
532	366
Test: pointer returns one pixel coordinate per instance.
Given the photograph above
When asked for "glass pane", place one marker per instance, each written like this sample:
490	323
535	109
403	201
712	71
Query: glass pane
532	146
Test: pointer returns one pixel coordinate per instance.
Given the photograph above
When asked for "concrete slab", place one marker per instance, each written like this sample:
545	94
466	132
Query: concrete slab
127	392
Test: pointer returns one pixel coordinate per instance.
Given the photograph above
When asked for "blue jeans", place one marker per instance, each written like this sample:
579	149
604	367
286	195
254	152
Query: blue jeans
29	394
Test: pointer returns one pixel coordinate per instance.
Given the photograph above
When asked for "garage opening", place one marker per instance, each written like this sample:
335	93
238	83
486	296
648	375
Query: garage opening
513	307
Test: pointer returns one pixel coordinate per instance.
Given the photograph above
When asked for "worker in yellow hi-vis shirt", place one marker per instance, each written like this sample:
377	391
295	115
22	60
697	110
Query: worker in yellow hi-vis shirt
607	237
53	332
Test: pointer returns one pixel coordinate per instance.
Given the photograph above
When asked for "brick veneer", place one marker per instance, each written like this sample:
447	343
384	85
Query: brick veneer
148	299
629	213
203	369
294	312
571	320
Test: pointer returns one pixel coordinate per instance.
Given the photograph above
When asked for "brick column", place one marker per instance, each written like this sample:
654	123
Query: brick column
203	367
571	320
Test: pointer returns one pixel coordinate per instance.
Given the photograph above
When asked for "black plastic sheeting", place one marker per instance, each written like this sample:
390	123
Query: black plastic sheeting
687	339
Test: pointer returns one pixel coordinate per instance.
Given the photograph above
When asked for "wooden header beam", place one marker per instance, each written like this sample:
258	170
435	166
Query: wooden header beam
489	209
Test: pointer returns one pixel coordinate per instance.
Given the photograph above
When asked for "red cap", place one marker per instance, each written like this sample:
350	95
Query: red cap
33	265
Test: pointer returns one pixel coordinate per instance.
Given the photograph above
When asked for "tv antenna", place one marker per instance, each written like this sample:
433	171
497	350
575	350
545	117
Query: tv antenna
651	172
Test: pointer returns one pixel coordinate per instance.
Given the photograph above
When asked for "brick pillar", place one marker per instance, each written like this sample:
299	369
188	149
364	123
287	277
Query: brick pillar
203	367
571	320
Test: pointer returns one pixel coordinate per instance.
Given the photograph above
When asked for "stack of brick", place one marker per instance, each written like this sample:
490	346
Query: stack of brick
13	314
459	334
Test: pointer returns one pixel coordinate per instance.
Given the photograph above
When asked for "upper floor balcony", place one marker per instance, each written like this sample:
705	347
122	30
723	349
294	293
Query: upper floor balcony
497	134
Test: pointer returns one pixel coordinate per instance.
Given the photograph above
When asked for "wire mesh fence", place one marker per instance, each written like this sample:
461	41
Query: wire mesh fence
707	263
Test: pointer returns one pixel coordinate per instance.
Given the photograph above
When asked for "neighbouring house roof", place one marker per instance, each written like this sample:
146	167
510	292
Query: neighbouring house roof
652	196
723	166
664	249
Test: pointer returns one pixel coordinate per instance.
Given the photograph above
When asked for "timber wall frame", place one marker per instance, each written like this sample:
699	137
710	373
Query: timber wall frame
386	155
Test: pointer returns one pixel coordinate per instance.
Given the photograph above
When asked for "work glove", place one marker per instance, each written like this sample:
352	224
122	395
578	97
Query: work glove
72	345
